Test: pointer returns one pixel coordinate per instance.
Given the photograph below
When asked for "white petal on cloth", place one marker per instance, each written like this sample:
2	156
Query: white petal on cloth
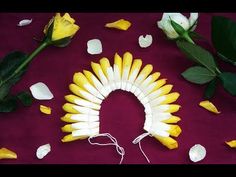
43	150
40	91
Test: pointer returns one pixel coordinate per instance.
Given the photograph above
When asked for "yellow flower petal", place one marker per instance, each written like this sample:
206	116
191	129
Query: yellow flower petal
170	98
69	138
167	141
45	109
62	27
209	106
175	130
68	107
231	144
172	119
67	118
67	128
7	154
119	24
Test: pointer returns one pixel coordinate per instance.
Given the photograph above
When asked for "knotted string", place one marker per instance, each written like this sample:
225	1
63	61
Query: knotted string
119	149
138	140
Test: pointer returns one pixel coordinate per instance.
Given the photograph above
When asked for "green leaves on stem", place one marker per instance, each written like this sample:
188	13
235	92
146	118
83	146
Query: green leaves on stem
12	68
207	71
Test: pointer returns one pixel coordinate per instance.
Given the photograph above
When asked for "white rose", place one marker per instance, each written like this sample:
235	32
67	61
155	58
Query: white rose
187	24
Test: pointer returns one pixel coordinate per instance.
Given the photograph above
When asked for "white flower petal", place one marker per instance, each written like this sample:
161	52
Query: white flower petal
40	91
146	41
192	19
24	22
43	150
197	153
94	46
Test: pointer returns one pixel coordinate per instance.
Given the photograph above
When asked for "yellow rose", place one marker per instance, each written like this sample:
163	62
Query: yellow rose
63	27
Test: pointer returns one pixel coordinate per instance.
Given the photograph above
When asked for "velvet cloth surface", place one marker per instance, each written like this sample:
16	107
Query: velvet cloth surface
121	115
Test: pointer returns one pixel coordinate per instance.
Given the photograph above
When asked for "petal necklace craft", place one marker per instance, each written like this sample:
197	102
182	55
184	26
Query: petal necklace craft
89	90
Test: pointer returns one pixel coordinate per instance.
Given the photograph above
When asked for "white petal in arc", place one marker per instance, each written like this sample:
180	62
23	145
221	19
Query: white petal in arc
85	125
24	22
84	117
94	46
98	71
85	110
146	41
43	150
136	66
96	83
84	94
142	76
83	82
127	62
85	132
40	91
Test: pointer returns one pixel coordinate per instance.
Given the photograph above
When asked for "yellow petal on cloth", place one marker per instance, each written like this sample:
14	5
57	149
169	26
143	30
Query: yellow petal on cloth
121	24
174	130
63	26
67	118
167	141
7	154
172	120
209	106
69	138
45	109
231	144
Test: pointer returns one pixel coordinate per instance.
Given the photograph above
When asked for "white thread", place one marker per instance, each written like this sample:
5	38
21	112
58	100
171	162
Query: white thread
138	140
119	149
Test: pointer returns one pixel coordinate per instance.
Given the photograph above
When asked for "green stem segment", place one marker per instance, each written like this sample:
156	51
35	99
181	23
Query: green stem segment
43	45
187	37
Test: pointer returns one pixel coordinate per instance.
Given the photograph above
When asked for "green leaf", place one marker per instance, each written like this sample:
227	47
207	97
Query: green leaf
223	35
229	82
8	65
198	55
198	75
178	28
10	62
9	104
25	98
210	89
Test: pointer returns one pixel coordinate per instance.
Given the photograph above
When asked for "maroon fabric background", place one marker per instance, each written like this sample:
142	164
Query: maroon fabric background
121	114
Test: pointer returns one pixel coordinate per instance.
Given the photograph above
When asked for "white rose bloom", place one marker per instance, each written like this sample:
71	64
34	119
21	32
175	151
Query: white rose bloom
183	21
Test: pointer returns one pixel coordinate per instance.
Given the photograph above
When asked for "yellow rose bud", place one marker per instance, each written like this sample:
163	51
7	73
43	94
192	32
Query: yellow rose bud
63	27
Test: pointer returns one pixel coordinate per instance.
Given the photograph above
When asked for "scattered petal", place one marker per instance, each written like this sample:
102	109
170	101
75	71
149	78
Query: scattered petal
119	24
145	42
40	91
45	109
24	22
231	144
7	154
209	106
94	46
43	150
197	153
